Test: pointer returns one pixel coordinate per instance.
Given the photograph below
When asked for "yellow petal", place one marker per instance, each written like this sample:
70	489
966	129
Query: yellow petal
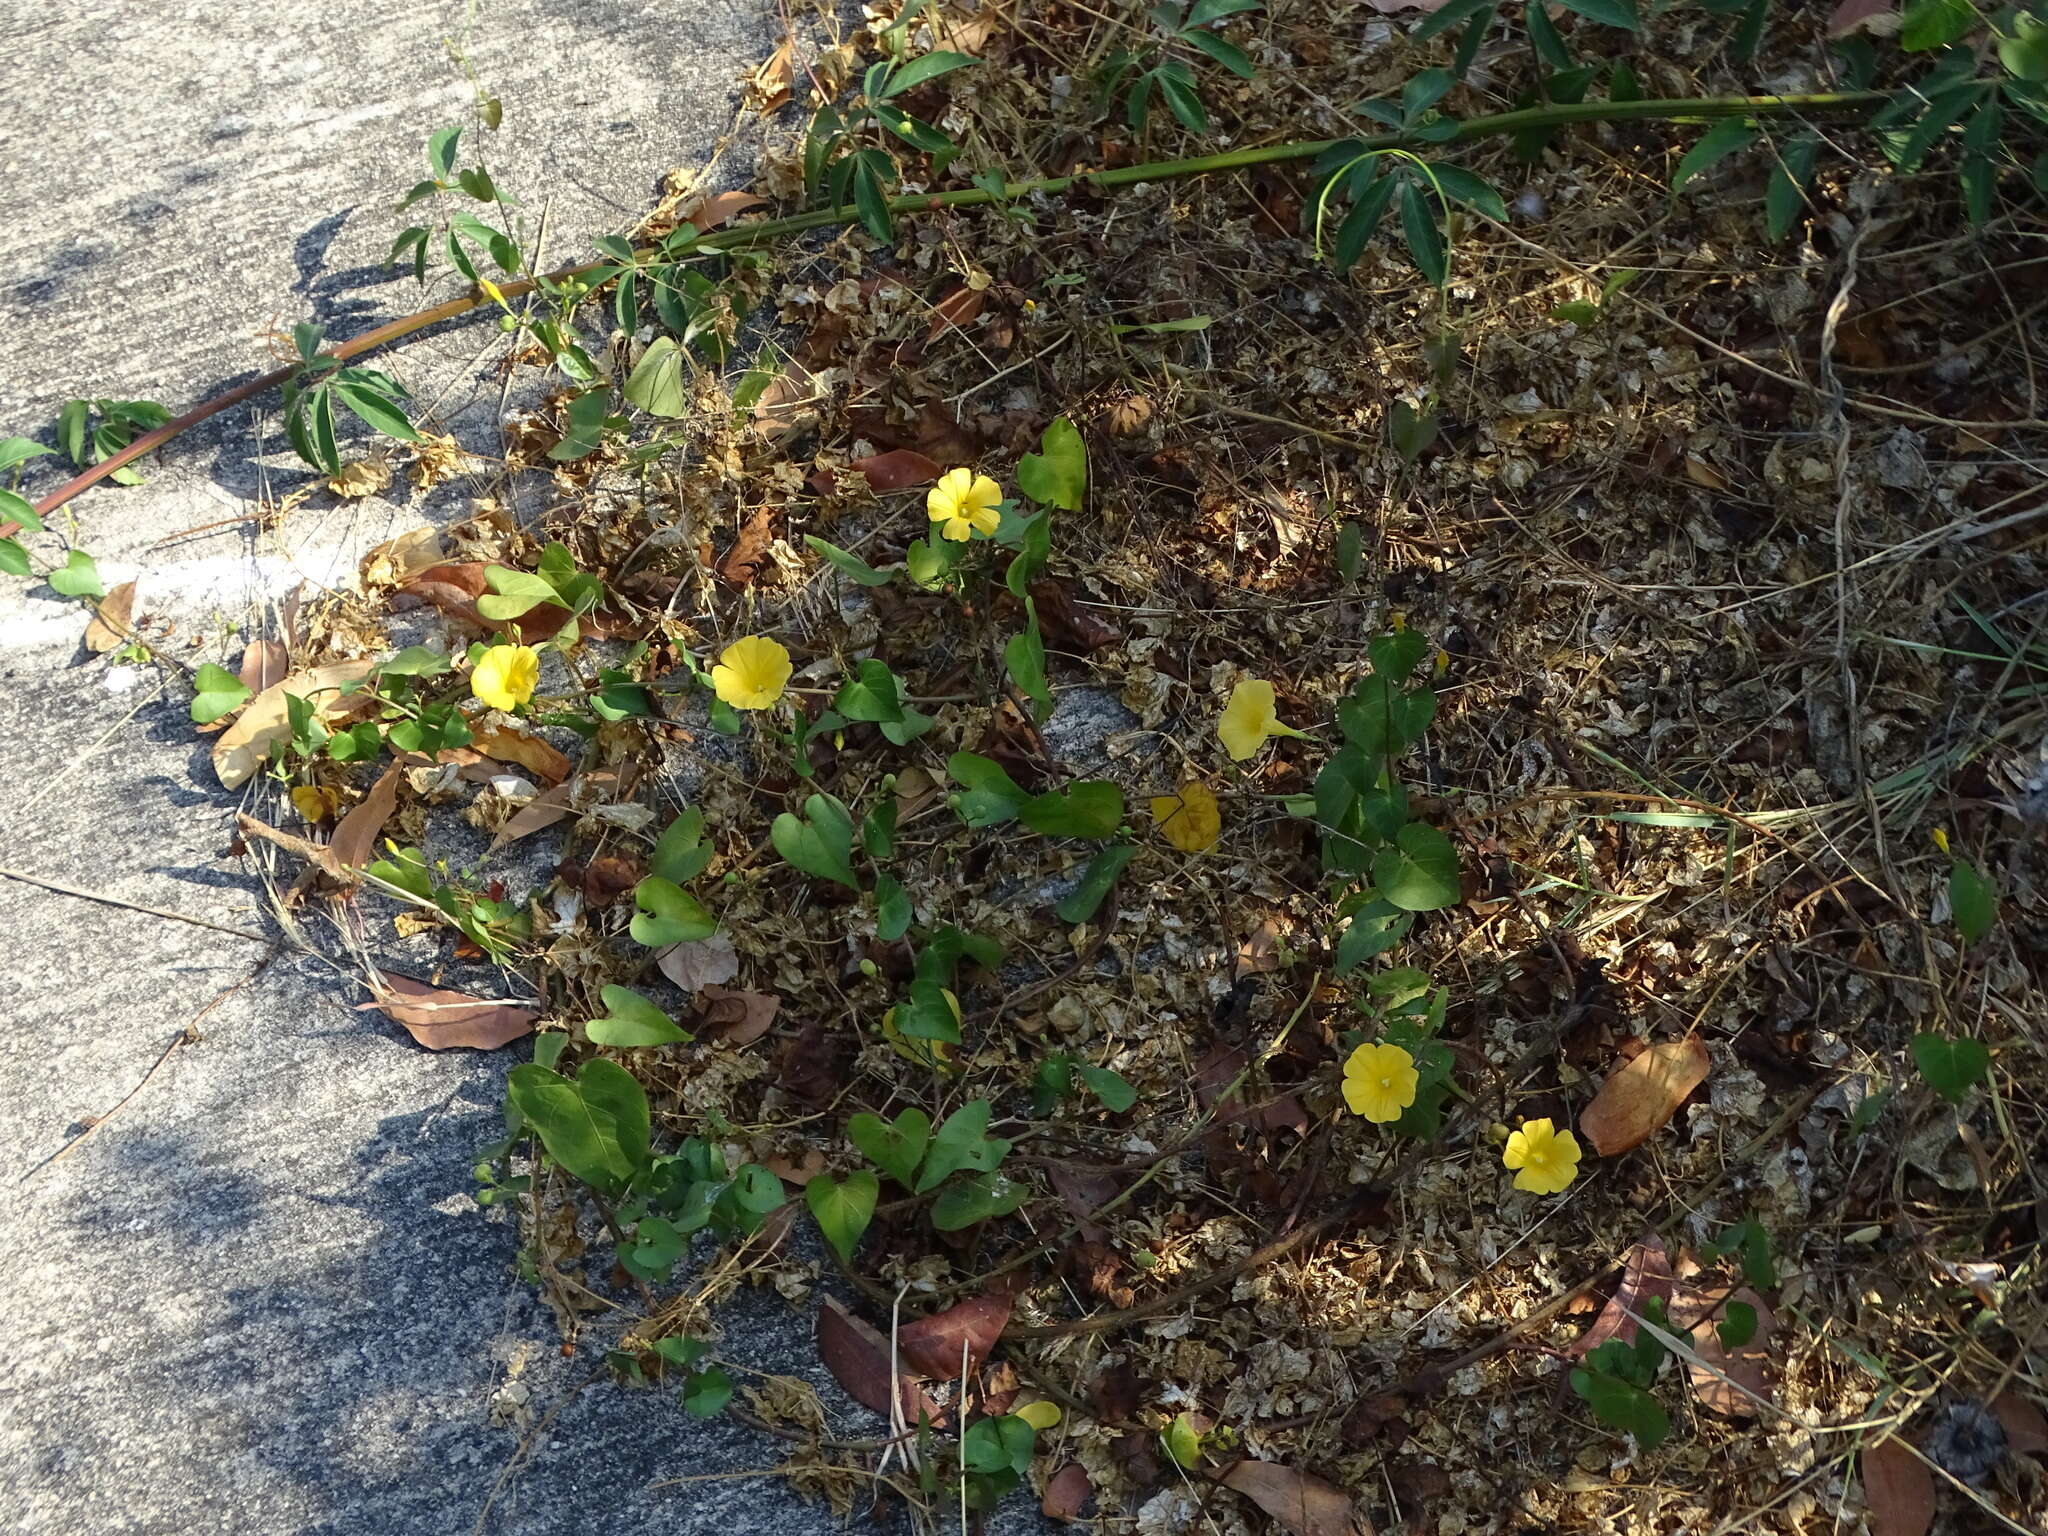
944	500
506	676
1191	820
1248	718
1040	1415
752	673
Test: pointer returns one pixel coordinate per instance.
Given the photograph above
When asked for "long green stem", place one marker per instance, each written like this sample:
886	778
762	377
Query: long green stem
1555	115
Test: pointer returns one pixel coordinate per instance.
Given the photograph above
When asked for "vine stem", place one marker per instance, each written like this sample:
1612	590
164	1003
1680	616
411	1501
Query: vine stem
1553	115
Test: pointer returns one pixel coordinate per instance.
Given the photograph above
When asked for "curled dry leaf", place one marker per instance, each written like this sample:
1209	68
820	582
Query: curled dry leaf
1856	15
439	1019
1898	1489
263	664
858	1358
723	207
1067	1493
700	963
739	1018
1068	625
2026	1431
956	309
786	402
1646	1274
932	1344
750	551
113	621
397	561
897	470
354	842
543	810
1301	1502
243	747
1636	1101
770	83
508	744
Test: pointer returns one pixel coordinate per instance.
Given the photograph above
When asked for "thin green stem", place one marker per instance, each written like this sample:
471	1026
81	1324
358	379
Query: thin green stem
1554	115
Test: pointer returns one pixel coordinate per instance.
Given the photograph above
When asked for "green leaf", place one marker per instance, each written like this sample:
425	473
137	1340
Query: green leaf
1738	1327
1091	808
1943	113
633	1021
1411	430
1951	1066
15	450
1079	904
1360	224
375	408
17	508
1544	39
513	593
1208	12
977	1198
1972	900
441	152
1056	475
656	383
706	1392
989	796
1461	186
1177	90
218	691
962	1142
1034	549
1425	88
929	67
1116	1094
1717	143
1350	550
1931	24
681	853
878	830
847	563
1785	195
1454	14
1418	872
1024	659
1183	1443
1395	656
892	909
895	1149
596	1126
1609	13
1425	240
13	558
821	842
1374	929
870	199
1979	174
1623	1405
667	914
78	576
843	1208
1229	55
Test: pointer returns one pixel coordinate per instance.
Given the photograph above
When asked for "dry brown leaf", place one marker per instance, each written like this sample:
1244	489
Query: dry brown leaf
1703	474
1636	1101
264	664
2026	1431
770	82
932	1344
858	1358
786	402
113	621
739	1018
243	747
1855	15
397	561
1260	952
509	745
700	963
720	208
1898	1490
439	1019
354	842
1304	1504
1067	1493
1647	1273
750	551
543	810
955	310
1068	626
1721	1375
897	470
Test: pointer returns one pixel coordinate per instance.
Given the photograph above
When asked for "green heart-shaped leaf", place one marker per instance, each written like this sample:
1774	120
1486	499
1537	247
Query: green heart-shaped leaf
1418	871
633	1021
895	1149
843	1208
1092	808
595	1126
821	843
977	1199
218	691
668	914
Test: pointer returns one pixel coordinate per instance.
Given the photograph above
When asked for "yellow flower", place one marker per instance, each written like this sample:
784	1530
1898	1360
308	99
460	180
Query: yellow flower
1190	820
491	290
1249	718
506	675
1380	1082
964	504
1545	1158
752	673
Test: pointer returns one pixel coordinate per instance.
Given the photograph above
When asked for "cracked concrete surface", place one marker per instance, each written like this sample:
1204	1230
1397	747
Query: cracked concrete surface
259	1299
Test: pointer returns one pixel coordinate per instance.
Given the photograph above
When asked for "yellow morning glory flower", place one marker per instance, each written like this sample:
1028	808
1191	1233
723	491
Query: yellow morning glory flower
752	673
964	504
506	675
1545	1158
1380	1082
1249	718
1189	819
